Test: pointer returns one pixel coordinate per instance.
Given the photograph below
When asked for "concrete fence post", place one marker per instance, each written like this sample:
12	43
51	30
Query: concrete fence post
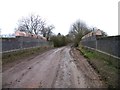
96	44
21	42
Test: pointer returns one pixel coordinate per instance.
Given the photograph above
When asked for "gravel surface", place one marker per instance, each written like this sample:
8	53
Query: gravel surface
57	68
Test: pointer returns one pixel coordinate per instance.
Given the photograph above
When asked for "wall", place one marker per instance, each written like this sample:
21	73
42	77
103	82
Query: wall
109	44
22	42
89	41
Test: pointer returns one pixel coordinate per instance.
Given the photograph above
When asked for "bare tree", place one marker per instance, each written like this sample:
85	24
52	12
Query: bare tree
104	33
44	31
79	27
78	30
32	24
47	31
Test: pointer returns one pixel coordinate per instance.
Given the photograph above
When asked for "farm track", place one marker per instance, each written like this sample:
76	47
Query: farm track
57	68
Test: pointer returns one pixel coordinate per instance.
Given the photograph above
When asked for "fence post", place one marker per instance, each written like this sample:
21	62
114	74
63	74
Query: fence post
21	42
96	44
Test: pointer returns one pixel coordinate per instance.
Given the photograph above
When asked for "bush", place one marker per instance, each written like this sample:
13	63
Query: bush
59	40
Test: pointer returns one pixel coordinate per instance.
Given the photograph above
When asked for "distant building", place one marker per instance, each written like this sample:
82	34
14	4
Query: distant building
24	34
19	33
97	32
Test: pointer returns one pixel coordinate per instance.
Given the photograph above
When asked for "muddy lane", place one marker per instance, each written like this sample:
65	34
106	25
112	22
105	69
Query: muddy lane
35	73
53	69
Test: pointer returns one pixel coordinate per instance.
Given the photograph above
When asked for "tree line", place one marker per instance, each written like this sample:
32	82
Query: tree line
34	24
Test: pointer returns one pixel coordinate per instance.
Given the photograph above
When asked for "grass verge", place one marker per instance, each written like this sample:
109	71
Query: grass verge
107	66
16	55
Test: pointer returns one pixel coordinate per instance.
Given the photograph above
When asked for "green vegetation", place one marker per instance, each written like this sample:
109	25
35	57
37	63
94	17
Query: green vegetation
60	40
16	55
106	66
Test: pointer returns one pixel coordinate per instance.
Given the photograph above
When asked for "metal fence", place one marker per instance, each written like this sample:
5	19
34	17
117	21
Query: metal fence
110	45
22	42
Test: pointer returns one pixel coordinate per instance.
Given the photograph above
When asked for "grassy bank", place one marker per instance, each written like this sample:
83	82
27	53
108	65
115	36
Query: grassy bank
106	66
22	54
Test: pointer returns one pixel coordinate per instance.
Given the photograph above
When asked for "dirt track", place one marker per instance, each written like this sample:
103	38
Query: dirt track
57	68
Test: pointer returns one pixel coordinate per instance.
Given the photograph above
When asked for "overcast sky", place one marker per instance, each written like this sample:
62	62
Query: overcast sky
102	14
